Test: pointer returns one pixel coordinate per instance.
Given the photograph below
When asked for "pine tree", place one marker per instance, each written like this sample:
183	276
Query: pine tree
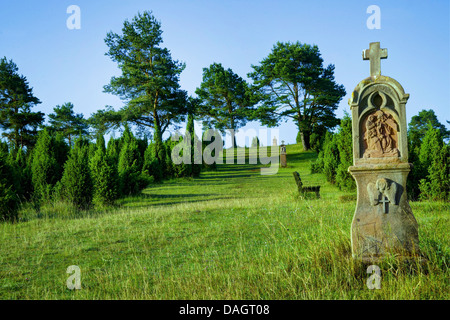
149	83
18	123
292	82
68	123
225	99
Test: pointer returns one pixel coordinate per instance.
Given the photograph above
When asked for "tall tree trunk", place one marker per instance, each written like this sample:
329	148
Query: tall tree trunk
234	140
160	151
305	135
16	134
191	130
157	130
233	133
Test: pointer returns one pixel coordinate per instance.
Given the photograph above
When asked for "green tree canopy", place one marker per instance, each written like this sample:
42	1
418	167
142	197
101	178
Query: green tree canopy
18	122
104	120
65	121
418	127
226	101
149	83
292	83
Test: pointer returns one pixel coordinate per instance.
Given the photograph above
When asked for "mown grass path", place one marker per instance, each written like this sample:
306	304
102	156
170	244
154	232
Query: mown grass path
230	234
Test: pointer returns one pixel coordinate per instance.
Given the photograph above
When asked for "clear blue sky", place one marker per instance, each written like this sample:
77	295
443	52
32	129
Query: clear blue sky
65	65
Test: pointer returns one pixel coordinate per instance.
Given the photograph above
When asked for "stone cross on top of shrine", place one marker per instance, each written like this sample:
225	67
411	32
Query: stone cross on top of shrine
375	54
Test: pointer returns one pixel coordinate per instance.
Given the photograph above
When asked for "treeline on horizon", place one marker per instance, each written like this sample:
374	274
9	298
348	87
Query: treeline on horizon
69	160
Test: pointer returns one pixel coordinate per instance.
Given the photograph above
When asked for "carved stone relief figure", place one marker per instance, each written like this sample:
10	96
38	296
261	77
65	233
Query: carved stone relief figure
382	188
380	136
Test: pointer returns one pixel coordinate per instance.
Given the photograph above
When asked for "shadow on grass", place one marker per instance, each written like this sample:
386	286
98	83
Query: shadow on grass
137	204
226	177
299	157
168	196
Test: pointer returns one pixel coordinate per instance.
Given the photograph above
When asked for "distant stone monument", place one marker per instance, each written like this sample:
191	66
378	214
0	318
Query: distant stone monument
383	222
283	155
274	142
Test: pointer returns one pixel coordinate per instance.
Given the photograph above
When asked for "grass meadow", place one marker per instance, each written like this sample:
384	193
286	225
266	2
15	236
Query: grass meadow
229	234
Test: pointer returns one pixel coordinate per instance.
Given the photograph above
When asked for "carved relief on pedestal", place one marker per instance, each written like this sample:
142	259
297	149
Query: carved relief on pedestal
385	189
380	136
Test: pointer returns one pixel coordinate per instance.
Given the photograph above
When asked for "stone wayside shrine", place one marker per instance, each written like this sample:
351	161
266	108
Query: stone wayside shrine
283	155
383	221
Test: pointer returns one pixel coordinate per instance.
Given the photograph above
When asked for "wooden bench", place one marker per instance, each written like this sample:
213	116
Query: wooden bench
303	189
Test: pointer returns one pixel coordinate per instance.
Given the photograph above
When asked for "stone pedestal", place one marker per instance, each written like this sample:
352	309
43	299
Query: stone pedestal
383	221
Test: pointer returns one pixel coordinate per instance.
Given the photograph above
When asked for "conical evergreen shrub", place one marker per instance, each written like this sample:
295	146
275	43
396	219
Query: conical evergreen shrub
434	160
129	165
152	166
23	177
76	182
105	179
330	157
44	167
344	180
9	199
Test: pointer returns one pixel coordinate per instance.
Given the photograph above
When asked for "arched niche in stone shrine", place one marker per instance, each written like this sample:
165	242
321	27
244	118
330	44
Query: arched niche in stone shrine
379	136
379	106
